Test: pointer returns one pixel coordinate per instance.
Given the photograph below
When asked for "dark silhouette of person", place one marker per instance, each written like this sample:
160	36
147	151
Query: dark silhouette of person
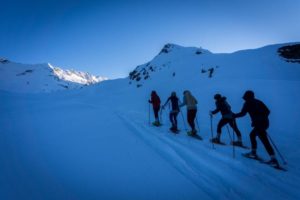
174	111
259	114
155	100
227	118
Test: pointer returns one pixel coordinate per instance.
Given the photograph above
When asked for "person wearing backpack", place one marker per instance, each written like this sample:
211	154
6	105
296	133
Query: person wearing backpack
259	114
155	101
191	105
174	112
227	118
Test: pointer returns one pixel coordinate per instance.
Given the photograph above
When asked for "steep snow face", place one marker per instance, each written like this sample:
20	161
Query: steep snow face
170	56
16	77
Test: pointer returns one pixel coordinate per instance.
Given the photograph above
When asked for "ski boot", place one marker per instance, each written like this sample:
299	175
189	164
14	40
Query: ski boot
192	133
251	154
216	140
174	129
237	143
273	161
156	123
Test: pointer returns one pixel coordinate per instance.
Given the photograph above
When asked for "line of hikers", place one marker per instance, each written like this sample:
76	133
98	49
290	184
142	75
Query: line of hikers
188	99
257	110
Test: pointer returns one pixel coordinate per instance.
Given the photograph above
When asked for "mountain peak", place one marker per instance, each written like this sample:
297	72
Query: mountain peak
170	47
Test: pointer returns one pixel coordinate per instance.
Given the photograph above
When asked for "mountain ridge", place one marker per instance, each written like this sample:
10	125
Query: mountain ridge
44	77
174	60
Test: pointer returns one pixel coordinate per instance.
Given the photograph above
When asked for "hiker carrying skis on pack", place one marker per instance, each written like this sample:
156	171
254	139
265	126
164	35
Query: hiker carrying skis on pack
227	118
191	105
155	100
259	113
174	112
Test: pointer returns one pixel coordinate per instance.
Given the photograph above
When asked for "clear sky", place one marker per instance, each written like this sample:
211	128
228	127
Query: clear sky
111	37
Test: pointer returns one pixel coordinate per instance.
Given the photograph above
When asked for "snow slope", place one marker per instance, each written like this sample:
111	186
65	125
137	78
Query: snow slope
96	143
16	77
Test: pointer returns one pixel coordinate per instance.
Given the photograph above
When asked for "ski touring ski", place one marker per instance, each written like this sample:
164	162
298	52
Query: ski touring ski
261	160
276	166
156	124
253	157
219	143
175	131
196	136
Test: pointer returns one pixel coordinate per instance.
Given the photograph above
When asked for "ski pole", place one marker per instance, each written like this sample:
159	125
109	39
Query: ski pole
197	123
211	130
169	106
160	116
283	160
149	114
183	121
233	149
233	133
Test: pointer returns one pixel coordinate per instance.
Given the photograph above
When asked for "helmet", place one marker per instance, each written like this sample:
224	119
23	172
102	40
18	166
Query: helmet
249	94
173	94
217	96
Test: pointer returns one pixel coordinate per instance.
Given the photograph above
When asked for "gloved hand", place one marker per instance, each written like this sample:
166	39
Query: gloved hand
149	101
210	113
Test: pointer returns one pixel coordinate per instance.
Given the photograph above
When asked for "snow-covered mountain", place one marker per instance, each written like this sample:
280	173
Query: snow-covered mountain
16	77
96	143
274	62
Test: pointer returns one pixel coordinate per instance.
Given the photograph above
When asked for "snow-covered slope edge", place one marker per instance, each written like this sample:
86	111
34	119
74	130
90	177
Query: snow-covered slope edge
16	77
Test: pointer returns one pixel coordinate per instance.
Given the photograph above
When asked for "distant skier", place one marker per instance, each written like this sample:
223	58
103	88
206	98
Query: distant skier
191	104
259	113
155	100
175	110
227	118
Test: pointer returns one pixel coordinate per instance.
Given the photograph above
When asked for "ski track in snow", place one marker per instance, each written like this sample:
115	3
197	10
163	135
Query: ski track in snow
205	173
186	162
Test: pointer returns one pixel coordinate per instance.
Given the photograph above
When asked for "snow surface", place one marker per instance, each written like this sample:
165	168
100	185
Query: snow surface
16	77
96	143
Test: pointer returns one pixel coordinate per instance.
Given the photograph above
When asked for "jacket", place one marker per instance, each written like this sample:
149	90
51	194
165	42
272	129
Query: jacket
223	107
174	103
155	100
258	111
190	101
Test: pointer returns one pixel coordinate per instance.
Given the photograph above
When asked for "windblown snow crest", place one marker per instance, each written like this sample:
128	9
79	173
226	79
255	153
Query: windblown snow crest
16	77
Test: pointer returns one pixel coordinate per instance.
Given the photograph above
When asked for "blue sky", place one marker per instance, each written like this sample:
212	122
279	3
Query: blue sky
112	37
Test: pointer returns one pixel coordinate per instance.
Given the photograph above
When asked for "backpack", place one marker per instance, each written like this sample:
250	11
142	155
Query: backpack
224	106
263	109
